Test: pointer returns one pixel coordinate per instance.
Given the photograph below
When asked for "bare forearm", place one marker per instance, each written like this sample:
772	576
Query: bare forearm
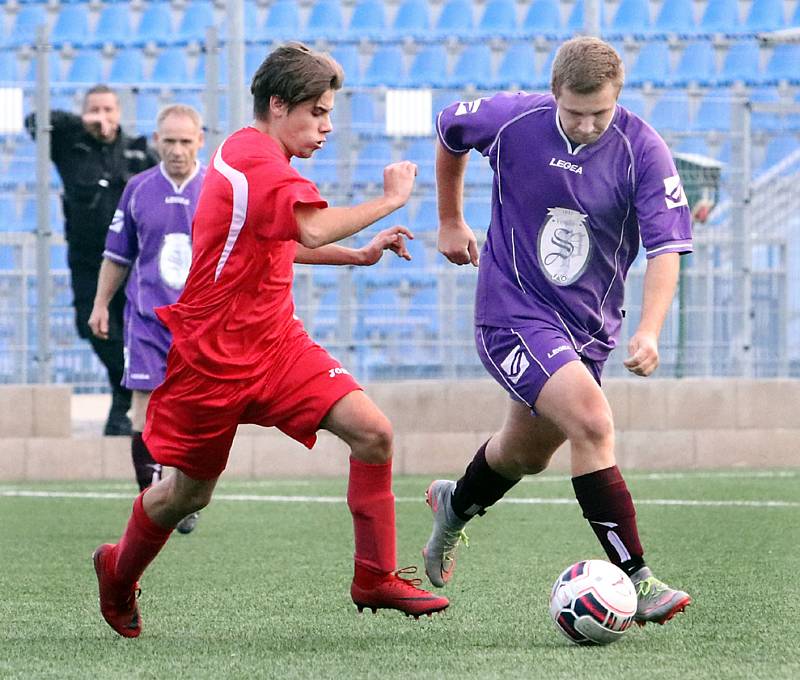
321	227
112	276
329	254
450	171
660	281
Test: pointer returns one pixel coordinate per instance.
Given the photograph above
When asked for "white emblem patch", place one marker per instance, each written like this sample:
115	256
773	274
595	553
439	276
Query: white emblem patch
674	196
175	259
464	108
564	245
117	221
515	364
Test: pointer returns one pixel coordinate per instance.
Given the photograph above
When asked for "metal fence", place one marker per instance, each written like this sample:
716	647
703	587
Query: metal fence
737	314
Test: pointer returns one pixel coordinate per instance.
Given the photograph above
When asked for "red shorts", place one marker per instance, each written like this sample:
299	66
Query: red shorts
192	418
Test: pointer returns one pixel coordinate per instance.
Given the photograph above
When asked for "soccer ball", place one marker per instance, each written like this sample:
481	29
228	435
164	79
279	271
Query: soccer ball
593	602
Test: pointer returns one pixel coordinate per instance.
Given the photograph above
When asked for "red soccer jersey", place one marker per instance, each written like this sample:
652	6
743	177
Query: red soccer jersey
237	305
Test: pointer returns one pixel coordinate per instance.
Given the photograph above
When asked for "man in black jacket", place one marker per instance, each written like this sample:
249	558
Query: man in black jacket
95	159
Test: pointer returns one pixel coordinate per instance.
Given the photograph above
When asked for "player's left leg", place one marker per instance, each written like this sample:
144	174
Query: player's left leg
573	401
377	583
156	511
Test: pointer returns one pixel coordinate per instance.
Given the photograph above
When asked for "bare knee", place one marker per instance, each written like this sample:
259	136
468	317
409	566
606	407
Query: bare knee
593	428
373	444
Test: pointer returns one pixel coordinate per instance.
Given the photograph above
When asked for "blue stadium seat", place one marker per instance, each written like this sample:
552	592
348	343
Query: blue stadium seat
371	160
22	165
456	20
479	173
575	20
55	63
782	65
765	15
714	113
350	61
254	56
368	21
127	66
651	65
71	26
696	65
9	68
429	67
199	75
517	67
422	152
364	114
170	67
325	168
499	20
762	120
412	20
741	63
29	219
155	25
283	20
86	68
697	144
114	24
542	81
478	212
426	217
26	23
543	19
633	100
632	18
325	20
671	111
676	17
473	67
147	108
386	67
197	17
721	16
8	214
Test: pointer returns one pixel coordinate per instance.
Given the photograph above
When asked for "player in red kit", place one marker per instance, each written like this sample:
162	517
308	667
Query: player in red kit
239	355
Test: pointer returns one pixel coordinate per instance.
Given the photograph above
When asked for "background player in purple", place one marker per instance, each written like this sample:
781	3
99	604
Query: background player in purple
150	238
578	181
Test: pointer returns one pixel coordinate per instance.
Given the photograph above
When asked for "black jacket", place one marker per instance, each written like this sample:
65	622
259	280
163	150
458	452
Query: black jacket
94	174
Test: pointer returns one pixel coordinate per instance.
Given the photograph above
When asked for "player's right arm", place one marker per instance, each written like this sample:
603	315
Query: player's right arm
112	276
320	226
457	242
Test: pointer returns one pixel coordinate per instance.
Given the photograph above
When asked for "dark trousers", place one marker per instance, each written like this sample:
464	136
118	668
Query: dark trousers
110	352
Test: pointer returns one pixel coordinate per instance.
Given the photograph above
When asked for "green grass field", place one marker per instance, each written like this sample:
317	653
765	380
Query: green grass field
260	590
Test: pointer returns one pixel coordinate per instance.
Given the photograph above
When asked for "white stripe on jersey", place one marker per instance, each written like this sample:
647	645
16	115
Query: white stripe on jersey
239	214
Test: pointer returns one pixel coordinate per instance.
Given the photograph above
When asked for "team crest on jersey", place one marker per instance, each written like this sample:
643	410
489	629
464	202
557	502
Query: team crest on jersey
564	245
468	107
674	194
515	364
175	259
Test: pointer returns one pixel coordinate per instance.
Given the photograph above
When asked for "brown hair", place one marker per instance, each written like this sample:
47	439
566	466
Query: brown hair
98	89
295	73
585	65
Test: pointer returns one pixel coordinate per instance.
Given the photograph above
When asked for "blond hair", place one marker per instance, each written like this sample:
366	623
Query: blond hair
180	110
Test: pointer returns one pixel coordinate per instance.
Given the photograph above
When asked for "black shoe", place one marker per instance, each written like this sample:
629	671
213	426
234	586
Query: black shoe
188	523
117	425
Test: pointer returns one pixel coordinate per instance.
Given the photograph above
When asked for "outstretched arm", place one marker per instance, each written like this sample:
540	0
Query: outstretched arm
388	239
321	226
112	275
660	281
456	240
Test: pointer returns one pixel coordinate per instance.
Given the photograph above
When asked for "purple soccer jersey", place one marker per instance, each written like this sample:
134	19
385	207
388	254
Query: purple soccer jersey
151	233
566	220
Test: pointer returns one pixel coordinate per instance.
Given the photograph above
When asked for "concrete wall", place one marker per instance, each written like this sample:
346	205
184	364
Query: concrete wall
661	424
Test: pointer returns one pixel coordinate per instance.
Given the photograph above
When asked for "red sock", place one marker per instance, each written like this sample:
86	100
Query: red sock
607	504
140	543
371	502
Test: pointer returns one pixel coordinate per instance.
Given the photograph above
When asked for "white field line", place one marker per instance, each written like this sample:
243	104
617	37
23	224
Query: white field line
658	476
253	498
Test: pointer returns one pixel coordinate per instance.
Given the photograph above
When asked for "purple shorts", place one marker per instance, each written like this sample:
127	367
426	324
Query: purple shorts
147	342
523	359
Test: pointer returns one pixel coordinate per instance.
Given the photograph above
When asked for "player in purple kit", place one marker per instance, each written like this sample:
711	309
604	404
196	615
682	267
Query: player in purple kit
578	181
150	239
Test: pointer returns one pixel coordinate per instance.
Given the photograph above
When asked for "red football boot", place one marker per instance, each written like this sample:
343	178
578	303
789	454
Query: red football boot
117	605
392	591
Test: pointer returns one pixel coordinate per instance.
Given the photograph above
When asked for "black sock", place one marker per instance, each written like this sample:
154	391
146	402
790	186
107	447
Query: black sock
147	470
479	488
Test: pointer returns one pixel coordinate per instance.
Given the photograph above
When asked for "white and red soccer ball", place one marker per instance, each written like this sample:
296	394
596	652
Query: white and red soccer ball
593	602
